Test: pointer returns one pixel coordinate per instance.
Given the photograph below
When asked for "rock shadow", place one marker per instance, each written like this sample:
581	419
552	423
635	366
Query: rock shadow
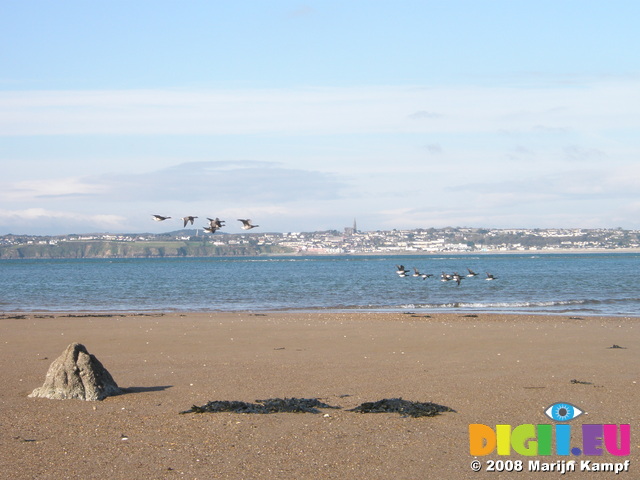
158	388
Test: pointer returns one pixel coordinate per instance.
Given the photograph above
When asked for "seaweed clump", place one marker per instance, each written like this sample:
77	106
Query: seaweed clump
271	405
580	382
403	407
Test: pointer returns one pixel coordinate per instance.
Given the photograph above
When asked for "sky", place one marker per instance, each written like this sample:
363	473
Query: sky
306	115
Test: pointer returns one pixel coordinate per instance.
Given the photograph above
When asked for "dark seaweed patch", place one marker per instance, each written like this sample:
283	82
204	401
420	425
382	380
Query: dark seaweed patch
580	382
403	407
271	405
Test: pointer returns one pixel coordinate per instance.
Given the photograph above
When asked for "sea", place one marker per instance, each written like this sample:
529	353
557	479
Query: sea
569	284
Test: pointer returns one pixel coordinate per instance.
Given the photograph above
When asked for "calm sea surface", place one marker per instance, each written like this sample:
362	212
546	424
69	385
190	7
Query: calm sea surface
576	284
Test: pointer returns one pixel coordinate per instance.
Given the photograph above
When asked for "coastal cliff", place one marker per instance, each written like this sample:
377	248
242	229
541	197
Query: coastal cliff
114	249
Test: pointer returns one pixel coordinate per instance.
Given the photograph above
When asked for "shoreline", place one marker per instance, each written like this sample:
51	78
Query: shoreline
403	253
491	369
42	314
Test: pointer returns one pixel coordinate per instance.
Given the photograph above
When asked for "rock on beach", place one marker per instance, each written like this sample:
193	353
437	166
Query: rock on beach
77	374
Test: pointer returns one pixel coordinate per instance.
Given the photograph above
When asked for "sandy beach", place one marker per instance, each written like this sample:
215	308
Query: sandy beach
491	369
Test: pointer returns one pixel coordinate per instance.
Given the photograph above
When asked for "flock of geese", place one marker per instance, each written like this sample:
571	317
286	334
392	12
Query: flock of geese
214	223
444	277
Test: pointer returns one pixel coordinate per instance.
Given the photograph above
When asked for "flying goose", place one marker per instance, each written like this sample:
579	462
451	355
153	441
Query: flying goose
401	271
159	218
216	222
188	219
424	276
246	224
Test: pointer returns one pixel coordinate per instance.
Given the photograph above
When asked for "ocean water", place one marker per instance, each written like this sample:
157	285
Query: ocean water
574	284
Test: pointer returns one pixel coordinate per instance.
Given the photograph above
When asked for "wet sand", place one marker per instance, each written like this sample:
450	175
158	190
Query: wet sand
491	369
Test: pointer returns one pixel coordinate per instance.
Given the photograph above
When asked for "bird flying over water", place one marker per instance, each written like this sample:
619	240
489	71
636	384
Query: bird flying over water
400	270
471	273
246	224
188	219
417	273
491	277
159	218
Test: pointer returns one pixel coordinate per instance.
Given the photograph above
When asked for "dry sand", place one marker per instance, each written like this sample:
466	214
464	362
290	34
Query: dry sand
491	369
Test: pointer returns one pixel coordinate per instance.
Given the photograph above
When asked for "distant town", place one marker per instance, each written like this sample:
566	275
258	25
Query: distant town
349	241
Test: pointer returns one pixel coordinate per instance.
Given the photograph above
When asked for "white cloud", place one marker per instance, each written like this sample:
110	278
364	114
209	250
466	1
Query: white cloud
425	115
321	110
61	187
581	154
241	182
433	148
244	189
60	221
395	157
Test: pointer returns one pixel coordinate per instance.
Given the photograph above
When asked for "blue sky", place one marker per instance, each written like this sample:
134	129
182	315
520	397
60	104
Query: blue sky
305	115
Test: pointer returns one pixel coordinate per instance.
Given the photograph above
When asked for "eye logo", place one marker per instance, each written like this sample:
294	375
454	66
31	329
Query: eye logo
562	412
